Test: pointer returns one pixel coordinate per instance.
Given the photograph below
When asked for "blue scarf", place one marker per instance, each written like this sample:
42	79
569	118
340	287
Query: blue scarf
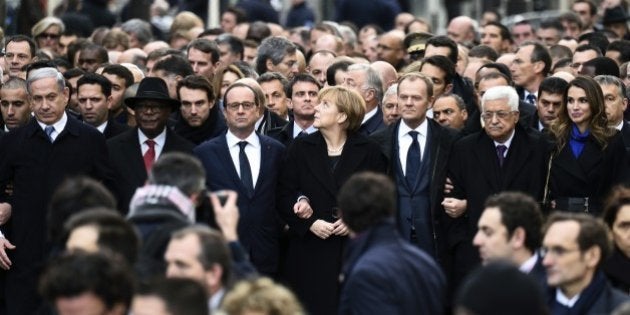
577	140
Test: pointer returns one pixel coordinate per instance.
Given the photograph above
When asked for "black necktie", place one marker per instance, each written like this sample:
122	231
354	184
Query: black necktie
501	154
246	171
413	159
302	134
531	98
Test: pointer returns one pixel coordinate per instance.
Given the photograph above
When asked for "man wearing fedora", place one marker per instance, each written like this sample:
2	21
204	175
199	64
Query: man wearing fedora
616	20
133	152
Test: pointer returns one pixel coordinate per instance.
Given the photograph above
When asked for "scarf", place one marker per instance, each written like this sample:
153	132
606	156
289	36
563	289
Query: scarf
577	140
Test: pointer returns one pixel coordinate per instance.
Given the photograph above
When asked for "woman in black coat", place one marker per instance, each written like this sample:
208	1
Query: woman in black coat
315	168
589	156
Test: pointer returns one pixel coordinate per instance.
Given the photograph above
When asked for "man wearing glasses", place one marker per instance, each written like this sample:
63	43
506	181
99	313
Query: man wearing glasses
248	163
503	156
132	153
574	247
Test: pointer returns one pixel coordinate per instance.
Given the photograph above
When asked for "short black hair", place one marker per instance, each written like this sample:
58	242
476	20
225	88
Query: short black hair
101	52
603	66
120	71
180	295
94	78
174	65
366	199
483	51
505	32
181	170
274	76
539	53
235	43
444	41
207	47
553	85
70	275
444	64
333	68
623	47
22	38
587	47
519	210
597	39
301	77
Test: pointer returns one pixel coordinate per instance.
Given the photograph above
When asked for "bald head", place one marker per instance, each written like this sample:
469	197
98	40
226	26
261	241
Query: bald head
461	29
390	47
329	42
386	71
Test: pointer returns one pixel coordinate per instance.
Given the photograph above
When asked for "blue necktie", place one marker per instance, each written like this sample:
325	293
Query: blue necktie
246	171
531	98
49	130
413	159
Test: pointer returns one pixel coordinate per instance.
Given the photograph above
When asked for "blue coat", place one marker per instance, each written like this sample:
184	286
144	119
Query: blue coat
385	274
258	227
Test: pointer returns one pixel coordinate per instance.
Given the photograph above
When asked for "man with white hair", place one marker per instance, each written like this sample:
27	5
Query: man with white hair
366	81
503	156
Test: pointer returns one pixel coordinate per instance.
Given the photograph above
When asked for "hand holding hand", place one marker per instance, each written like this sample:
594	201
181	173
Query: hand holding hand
322	229
340	228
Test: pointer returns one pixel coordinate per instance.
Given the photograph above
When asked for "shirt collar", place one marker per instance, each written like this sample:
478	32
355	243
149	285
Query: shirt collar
422	129
529	264
508	142
564	300
620	125
102	127
159	140
297	129
369	115
59	125
233	140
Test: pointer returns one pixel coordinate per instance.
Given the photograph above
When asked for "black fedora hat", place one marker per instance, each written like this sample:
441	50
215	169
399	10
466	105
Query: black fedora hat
614	15
153	89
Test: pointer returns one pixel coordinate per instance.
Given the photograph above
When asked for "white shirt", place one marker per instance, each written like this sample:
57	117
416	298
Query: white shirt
252	149
529	264
405	140
297	129
102	127
564	300
506	143
526	94
369	115
159	143
215	301
618	127
59	125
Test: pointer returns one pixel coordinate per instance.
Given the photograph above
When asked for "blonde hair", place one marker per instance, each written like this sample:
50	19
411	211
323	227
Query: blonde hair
45	23
348	102
261	295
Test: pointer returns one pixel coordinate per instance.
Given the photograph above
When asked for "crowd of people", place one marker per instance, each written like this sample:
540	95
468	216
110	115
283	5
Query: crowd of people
364	166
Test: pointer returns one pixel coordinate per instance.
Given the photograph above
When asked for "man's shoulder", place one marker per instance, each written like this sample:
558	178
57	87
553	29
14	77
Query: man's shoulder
123	137
272	142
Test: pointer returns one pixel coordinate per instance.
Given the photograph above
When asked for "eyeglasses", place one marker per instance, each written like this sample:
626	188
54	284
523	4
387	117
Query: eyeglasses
555	251
48	36
236	105
500	115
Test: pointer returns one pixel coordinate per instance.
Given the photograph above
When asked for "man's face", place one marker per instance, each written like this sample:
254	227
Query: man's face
413	101
458	31
571	29
567	266
548	36
15	107
500	120
355	80
89	60
118	90
580	57
389	49
486	84
318	65
521	33
64	42
522	68
492	237
195	107
240	119
584	11
47	101
368	47
390	109
621	229
276	99
491	36
438	76
249	55
228	21
288	67
448	114
182	260
151	117
86	303
201	63
304	99
226	56
93	104
615	104
148	305
548	106
17	55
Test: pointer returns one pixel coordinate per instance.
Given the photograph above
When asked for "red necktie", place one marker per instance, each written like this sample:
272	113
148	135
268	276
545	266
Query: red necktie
149	156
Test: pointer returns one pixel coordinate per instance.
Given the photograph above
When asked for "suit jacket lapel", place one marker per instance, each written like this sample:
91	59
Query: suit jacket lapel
133	150
517	156
265	162
225	159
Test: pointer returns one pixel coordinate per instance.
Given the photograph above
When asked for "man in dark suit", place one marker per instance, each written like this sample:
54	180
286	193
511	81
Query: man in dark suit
248	163
199	118
133	152
302	91
35	159
510	229
504	156
380	255
365	81
419	176
549	103
616	103
14	104
94	95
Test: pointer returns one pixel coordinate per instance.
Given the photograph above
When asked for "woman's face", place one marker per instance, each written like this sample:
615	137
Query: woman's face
621	229
578	107
49	38
327	114
229	77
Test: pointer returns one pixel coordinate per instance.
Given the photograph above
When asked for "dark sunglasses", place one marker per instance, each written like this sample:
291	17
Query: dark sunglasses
48	35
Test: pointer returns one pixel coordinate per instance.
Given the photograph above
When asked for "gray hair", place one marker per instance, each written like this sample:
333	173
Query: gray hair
391	90
612	80
14	83
348	35
458	100
501	92
43	73
140	28
274	48
373	80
